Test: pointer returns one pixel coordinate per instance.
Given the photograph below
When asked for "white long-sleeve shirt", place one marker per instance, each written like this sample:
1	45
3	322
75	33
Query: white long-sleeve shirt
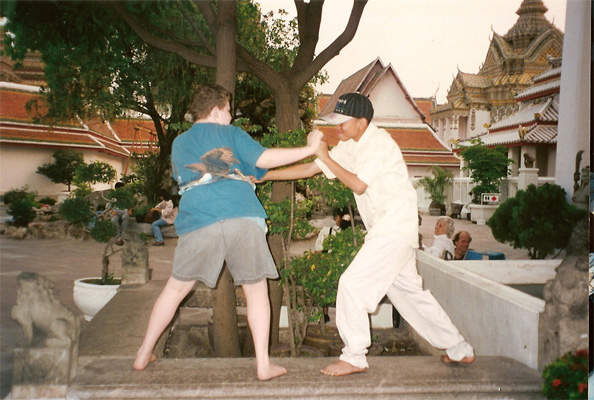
440	244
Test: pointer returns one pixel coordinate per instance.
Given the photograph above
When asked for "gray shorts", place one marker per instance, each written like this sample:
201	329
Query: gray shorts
240	242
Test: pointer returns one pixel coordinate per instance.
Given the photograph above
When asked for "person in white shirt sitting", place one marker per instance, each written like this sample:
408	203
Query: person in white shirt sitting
444	229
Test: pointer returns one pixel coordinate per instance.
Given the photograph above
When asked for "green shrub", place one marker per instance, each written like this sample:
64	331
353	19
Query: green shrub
103	231
18	194
77	211
567	377
124	198
538	219
63	169
50	201
318	273
22	211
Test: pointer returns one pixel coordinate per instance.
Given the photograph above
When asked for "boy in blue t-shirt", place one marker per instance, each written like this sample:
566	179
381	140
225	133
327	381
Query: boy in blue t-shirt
220	219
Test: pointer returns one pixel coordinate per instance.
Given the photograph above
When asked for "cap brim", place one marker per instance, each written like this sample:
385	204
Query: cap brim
335	119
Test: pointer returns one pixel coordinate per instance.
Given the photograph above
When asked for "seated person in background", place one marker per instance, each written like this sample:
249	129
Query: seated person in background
168	214
120	218
444	228
342	221
461	241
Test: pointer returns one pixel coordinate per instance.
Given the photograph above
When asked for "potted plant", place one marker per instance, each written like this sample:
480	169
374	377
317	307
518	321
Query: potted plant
91	294
436	187
487	167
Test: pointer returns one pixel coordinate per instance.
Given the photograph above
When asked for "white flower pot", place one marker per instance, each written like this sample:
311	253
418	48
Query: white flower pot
90	297
480	213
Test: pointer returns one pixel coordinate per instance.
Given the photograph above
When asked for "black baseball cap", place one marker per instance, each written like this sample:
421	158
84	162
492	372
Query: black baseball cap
350	105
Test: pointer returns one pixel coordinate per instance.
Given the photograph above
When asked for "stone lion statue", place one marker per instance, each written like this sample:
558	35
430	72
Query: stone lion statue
37	307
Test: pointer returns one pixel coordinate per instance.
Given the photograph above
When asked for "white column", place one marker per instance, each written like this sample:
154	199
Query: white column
574	117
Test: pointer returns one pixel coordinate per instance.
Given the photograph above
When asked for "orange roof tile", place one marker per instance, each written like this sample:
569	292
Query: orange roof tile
25	134
425	104
127	129
416	139
13	107
419	159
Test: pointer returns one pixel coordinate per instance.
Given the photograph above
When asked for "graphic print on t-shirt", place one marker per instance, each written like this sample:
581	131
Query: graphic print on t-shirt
216	165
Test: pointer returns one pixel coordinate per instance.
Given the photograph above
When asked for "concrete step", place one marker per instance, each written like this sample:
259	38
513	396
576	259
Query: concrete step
424	377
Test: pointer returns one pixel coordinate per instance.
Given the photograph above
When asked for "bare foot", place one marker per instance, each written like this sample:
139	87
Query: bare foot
340	368
142	361
465	360
270	371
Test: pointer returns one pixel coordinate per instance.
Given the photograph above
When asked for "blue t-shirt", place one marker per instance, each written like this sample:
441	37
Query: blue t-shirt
211	163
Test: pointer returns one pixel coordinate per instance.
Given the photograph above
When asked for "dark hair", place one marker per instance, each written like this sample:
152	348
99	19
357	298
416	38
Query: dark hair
207	97
165	194
457	236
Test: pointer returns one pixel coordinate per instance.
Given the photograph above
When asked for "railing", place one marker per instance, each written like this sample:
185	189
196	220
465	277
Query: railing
509	188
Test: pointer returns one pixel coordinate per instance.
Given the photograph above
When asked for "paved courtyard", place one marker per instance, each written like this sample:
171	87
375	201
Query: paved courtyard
64	261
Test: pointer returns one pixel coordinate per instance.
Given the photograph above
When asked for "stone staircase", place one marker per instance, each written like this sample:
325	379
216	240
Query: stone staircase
424	377
109	342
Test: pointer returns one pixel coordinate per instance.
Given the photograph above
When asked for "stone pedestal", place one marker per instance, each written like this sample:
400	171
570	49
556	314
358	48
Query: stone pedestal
43	372
527	177
135	259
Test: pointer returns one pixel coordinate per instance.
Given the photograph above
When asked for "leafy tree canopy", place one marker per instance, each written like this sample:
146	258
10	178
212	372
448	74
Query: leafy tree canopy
487	166
63	169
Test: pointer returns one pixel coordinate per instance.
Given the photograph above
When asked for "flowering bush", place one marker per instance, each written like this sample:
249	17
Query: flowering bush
567	377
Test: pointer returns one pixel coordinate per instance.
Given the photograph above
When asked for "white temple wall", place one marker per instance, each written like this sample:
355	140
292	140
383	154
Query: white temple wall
29	158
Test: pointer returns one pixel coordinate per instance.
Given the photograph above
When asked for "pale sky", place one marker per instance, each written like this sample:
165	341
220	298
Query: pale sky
425	40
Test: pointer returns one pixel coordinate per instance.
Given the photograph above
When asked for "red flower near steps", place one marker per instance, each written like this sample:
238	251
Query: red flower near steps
556	383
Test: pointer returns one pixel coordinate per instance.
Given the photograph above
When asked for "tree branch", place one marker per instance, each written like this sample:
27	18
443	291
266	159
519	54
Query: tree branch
307	68
209	15
163	44
309	18
196	29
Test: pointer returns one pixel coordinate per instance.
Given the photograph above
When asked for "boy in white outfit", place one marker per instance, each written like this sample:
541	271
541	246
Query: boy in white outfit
369	162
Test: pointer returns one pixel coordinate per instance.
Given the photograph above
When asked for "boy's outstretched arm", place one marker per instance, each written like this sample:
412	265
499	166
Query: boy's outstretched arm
272	158
299	171
349	179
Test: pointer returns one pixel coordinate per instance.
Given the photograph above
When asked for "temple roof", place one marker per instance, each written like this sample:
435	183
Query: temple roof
19	126
548	111
535	134
531	21
417	142
365	81
425	104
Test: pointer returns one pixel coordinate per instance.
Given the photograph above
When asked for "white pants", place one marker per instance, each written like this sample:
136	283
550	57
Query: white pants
387	265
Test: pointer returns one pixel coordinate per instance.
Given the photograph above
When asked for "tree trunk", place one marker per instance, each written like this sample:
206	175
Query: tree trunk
287	107
287	117
226	337
224	318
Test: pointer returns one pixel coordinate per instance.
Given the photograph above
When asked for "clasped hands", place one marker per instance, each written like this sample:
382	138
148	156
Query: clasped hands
316	140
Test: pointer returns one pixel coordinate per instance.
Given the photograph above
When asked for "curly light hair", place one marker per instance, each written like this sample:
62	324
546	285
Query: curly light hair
450	225
205	98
